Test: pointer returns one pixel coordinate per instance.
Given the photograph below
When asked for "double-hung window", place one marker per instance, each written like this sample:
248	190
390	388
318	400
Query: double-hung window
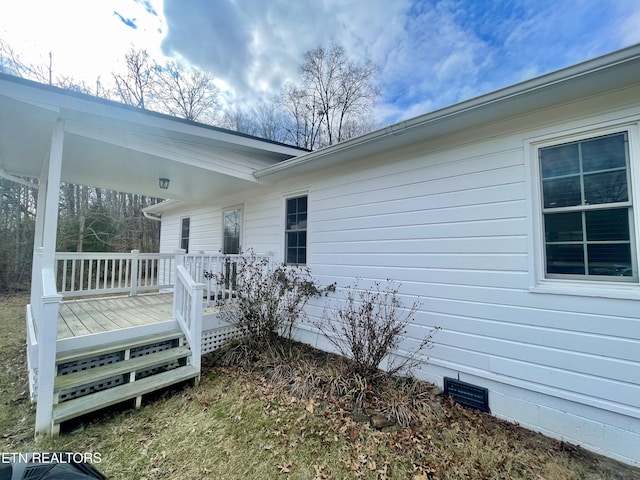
296	230
587	209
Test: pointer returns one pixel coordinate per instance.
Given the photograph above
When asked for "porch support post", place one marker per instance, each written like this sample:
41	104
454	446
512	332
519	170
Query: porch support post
50	221
38	240
49	300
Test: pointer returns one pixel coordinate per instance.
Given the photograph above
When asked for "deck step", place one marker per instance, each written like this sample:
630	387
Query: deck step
136	364
105	398
81	354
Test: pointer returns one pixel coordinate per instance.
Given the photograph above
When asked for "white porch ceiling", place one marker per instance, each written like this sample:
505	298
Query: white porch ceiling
111	146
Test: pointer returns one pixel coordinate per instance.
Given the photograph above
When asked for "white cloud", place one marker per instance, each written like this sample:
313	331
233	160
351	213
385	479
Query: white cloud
85	38
430	53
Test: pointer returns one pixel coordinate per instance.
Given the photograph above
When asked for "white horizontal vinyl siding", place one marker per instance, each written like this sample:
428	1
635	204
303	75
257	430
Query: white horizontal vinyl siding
205	229
170	233
450	221
452	228
263	224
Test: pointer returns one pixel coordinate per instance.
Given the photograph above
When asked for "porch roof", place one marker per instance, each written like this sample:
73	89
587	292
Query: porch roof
110	145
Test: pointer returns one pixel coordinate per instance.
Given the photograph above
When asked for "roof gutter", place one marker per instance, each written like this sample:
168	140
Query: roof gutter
154	212
21	181
150	216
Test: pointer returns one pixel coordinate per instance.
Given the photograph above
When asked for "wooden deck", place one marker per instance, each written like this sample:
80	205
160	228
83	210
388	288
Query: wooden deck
98	315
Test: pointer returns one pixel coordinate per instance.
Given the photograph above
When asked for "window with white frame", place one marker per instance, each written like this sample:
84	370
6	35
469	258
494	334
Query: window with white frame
587	209
296	230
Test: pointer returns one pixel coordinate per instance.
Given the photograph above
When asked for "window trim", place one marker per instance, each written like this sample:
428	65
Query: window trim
286	197
539	281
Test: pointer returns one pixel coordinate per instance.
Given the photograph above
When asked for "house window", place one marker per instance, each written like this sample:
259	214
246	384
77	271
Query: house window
587	209
296	230
184	234
231	227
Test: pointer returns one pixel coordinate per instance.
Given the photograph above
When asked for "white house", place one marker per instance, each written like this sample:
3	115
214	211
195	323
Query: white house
511	216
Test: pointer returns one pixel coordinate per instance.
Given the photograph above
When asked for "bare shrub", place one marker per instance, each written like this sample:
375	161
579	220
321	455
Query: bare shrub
368	325
269	301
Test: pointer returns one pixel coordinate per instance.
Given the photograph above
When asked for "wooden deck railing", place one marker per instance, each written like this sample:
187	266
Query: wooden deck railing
217	272
82	274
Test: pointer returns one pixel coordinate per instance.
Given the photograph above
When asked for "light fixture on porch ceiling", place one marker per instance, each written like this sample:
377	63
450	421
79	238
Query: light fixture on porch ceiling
164	183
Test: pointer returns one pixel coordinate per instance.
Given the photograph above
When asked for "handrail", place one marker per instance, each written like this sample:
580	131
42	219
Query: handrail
187	311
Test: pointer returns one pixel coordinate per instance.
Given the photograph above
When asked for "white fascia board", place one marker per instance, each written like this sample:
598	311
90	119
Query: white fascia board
27	94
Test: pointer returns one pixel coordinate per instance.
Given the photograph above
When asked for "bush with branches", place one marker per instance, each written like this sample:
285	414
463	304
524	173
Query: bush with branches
369	324
269	301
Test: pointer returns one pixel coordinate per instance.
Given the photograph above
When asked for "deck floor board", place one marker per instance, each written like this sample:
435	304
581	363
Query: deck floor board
73	323
88	316
86	319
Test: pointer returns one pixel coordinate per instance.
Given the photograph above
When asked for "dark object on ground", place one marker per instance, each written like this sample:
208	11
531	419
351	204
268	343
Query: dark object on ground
47	466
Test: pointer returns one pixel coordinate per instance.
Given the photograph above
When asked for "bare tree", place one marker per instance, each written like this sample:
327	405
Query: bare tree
270	122
186	92
335	95
266	121
12	63
17	227
135	86
304	118
239	120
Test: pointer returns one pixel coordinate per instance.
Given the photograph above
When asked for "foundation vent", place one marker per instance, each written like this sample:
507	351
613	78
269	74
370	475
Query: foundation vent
466	394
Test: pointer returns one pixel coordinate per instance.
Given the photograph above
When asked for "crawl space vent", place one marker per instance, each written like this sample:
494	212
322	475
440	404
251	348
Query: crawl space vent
466	394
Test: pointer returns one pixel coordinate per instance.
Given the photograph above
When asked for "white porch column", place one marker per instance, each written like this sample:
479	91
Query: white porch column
47	324
38	240
54	173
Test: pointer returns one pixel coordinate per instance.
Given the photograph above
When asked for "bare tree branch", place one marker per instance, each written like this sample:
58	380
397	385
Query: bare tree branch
335	96
187	93
135	86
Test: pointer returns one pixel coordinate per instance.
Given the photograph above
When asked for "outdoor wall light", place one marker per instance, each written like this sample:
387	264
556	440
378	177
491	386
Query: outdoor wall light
164	183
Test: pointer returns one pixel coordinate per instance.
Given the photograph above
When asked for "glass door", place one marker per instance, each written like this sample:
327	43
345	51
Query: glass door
231	230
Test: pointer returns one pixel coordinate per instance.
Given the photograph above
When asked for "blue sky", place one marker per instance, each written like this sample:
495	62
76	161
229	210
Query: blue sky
430	53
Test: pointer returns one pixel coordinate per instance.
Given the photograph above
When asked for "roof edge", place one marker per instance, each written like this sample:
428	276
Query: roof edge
137	110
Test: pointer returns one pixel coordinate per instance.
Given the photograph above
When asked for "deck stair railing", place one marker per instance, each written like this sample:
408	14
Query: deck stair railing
187	311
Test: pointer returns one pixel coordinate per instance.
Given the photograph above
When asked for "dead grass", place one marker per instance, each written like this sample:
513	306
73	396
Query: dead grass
287	421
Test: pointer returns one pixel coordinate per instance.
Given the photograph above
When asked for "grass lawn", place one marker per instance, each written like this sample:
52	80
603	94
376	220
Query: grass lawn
239	424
